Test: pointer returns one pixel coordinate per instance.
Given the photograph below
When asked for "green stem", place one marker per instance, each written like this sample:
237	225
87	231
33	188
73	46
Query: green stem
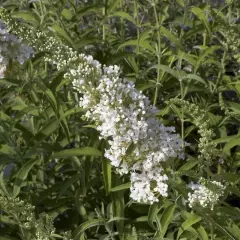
158	53
221	73
204	38
179	65
230	13
184	19
182	114
122	21
138	34
104	12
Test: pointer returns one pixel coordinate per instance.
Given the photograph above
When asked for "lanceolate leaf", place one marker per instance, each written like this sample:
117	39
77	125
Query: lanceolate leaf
152	214
121	187
85	151
170	36
69	183
118	208
201	15
166	218
142	43
22	175
62	33
202	233
227	148
165	68
125	16
86	225
188	165
107	175
47	130
2	185
27	16
195	78
188	223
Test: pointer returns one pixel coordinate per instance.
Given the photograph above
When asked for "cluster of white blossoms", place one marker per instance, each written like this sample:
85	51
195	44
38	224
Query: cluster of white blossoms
11	48
139	144
205	195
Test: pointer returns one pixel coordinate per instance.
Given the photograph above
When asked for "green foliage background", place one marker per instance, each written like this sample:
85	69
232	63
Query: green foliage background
184	55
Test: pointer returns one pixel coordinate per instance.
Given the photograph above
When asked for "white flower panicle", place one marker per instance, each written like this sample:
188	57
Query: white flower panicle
11	48
205	195
125	117
139	144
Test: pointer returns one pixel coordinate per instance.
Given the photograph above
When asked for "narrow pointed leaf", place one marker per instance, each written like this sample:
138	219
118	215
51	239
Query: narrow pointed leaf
22	175
85	151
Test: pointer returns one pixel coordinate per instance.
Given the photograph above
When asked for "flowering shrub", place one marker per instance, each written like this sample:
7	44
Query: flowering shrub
93	139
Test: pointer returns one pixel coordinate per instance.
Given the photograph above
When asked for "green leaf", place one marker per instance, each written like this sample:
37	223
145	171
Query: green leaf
51	98
86	225
180	2
2	185
135	42
233	106
201	15
64	123
165	68
234	230
107	174
189	130
170	36
228	146
141	219
221	228
188	223
207	51
62	33
69	183
166	218
4	116
190	58
152	214
121	187
230	177
202	233
67	14
226	139
88	9
22	175
18	104
196	78
47	130
8	82
26	16
234	189
71	111
7	220
58	211
117	219
85	151
118	206
125	16
5	149
79	205
187	166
